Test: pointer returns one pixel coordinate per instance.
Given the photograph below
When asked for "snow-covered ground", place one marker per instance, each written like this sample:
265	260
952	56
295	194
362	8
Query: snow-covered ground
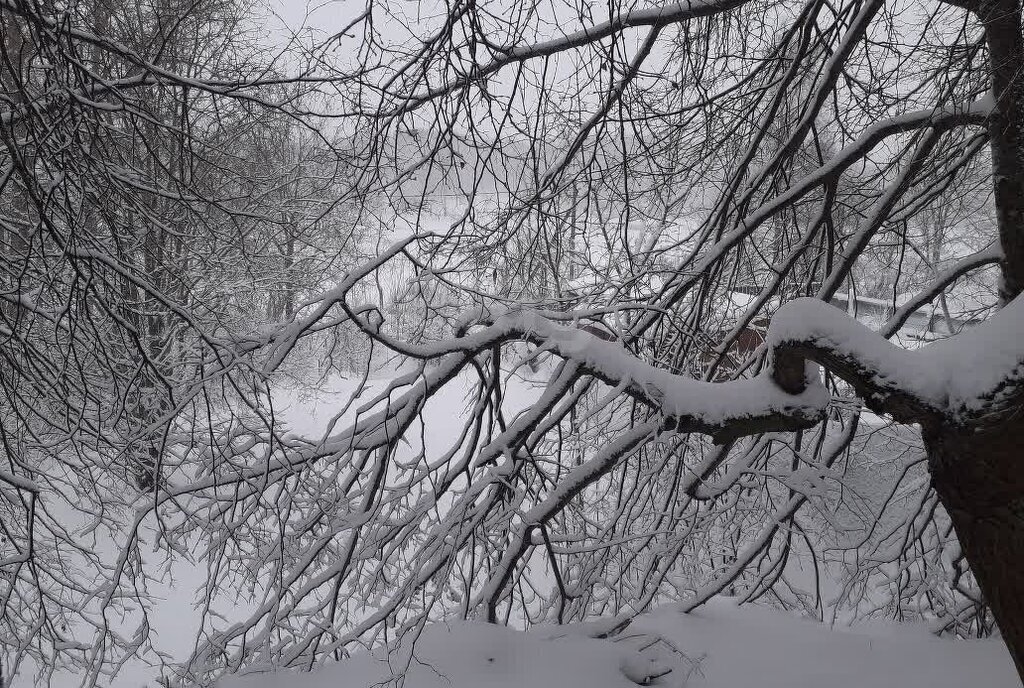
719	646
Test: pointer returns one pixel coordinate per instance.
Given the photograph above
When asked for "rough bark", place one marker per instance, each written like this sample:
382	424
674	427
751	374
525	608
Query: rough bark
1002	22
976	465
978	473
978	468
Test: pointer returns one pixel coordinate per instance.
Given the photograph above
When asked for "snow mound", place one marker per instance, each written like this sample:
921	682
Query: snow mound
479	655
758	647
719	646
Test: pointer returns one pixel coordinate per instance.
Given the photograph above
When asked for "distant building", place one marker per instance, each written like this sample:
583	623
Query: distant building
928	322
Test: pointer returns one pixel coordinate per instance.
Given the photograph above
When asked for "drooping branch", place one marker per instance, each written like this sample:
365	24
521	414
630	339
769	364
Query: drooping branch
950	379
912	386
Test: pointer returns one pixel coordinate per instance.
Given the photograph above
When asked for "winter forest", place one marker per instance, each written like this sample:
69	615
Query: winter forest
559	344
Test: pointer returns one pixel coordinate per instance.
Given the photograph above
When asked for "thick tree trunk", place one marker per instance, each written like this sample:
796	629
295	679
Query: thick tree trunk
978	470
1002	22
978	473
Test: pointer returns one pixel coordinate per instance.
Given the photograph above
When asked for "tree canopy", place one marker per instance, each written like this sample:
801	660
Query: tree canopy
609	241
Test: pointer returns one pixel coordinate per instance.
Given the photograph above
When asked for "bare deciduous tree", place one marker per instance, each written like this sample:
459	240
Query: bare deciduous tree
643	194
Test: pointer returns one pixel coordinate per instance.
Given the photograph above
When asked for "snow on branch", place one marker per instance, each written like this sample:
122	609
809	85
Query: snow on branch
722	410
952	379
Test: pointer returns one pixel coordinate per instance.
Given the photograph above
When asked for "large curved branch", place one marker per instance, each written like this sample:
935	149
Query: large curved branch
951	380
723	410
811	330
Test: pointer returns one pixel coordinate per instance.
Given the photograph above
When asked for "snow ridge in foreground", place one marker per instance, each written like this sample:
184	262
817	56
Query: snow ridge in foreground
719	646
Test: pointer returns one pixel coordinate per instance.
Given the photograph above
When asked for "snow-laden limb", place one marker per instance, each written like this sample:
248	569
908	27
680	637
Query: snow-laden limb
954	379
724	410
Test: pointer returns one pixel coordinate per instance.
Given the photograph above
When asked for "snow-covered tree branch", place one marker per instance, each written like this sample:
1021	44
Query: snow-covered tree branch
528	315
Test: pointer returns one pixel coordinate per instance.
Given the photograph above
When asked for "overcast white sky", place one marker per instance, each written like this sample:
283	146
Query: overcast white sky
295	13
